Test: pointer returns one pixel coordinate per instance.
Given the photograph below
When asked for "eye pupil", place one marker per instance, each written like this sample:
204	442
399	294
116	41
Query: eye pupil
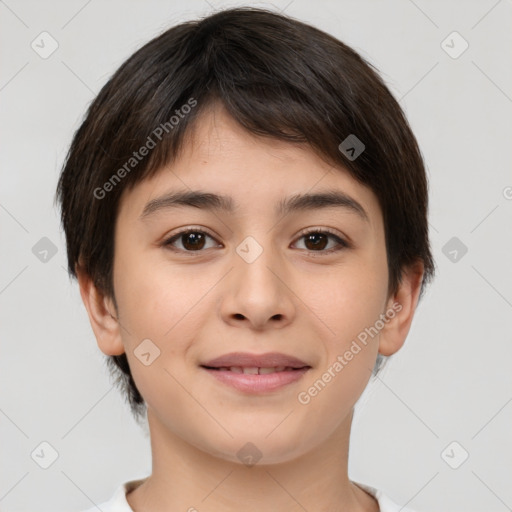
196	240
319	240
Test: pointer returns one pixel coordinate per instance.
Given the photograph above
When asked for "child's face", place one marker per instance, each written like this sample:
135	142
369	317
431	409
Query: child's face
198	305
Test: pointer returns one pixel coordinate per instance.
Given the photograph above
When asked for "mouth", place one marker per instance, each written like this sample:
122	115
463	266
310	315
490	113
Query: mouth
245	360
255	370
256	374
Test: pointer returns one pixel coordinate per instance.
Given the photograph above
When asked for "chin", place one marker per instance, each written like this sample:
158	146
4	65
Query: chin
250	449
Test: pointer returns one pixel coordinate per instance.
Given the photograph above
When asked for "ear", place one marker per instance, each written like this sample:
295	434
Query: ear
102	315
403	303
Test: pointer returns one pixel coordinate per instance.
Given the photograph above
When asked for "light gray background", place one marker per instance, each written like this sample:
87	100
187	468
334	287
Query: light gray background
452	380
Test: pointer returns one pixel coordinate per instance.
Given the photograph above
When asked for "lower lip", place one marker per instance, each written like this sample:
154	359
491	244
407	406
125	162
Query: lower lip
257	383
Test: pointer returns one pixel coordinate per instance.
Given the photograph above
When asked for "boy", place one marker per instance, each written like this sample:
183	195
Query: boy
245	209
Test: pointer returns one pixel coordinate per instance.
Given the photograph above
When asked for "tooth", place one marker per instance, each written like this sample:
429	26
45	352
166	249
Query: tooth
268	370
236	369
251	371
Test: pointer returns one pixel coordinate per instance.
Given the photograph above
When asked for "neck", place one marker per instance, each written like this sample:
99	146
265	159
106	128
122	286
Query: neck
187	478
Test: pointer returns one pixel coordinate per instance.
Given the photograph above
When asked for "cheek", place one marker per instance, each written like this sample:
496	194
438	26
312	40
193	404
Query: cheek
349	298
153	297
350	342
349	308
153	301
165	305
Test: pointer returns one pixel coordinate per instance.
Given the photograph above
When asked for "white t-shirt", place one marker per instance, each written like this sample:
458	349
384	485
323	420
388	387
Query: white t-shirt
118	502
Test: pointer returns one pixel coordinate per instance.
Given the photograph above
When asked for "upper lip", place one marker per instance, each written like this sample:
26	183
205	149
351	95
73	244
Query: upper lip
247	360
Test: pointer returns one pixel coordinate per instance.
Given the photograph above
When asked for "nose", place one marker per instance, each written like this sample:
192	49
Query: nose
258	293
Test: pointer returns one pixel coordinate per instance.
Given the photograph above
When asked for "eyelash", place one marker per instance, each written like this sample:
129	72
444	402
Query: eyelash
342	244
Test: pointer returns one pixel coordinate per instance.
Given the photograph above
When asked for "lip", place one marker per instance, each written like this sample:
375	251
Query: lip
256	383
248	360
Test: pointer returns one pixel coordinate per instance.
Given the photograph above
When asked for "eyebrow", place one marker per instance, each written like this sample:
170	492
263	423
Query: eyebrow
214	202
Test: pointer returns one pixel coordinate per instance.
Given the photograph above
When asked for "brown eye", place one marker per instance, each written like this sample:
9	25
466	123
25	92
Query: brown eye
190	241
318	241
193	241
314	241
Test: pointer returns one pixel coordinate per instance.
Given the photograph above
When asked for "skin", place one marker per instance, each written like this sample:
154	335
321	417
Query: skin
291	299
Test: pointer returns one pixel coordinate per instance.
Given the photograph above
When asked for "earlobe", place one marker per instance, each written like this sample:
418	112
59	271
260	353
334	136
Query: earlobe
102	316
400	310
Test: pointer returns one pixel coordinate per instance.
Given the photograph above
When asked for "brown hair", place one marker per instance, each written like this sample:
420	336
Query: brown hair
277	77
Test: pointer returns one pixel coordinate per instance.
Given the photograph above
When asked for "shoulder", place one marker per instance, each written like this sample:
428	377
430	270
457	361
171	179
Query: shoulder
118	502
386	504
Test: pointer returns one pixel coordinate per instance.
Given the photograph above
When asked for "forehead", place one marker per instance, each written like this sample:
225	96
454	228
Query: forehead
258	173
